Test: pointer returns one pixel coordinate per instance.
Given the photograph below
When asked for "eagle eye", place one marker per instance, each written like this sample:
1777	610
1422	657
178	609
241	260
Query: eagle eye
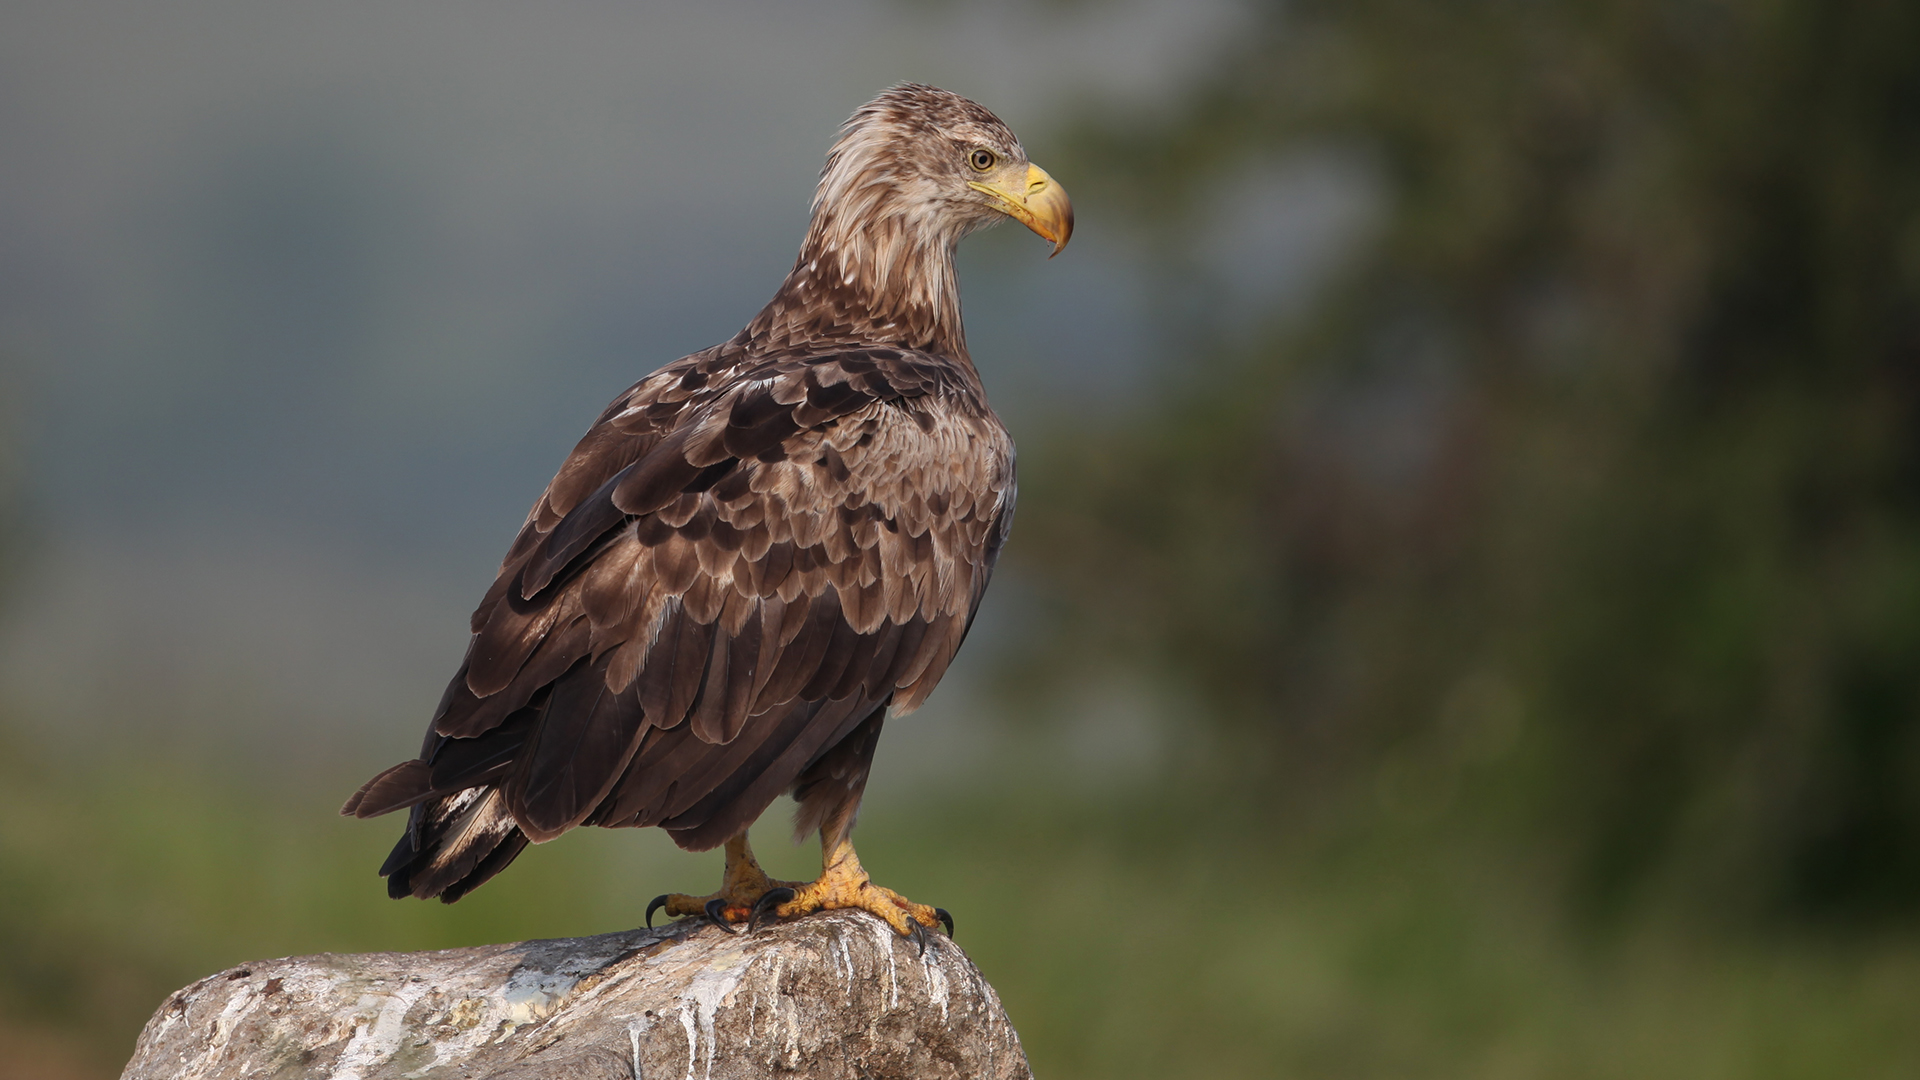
981	160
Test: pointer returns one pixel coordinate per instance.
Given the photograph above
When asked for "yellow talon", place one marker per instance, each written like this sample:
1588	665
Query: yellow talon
844	884
741	886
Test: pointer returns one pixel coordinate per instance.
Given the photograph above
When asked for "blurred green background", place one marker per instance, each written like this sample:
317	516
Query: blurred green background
1464	615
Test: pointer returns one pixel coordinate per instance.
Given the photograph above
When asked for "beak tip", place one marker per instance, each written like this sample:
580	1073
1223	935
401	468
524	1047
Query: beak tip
1043	207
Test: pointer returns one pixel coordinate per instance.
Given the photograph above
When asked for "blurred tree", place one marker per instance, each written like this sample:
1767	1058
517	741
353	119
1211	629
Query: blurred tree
1588	498
12	480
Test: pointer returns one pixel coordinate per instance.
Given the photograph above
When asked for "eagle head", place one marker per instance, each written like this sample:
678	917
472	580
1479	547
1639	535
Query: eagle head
912	173
940	165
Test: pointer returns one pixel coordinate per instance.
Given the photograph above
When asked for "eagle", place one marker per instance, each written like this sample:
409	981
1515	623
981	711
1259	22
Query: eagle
755	555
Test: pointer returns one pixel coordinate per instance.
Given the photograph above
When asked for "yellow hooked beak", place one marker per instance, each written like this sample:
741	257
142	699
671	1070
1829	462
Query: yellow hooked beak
1041	205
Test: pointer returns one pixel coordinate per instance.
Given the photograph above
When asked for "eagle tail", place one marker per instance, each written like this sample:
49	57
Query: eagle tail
452	845
397	788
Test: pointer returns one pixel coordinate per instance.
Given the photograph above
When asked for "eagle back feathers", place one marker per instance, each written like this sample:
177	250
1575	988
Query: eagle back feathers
740	544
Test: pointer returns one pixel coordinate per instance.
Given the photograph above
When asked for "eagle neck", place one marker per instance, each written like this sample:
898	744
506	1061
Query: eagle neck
884	284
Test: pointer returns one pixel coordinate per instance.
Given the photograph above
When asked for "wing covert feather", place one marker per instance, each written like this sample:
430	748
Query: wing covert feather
741	560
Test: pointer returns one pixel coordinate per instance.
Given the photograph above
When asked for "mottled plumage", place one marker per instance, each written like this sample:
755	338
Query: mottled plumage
752	554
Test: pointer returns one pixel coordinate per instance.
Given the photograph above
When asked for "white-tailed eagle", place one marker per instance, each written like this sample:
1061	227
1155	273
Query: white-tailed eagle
752	556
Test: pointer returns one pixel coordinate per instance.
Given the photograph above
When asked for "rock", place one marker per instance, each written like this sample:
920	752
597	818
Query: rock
830	995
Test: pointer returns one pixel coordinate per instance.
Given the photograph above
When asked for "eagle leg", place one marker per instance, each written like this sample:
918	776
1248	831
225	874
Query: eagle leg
843	883
742	886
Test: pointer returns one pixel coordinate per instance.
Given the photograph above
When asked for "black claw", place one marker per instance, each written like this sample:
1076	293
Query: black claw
769	900
658	903
946	920
717	915
919	936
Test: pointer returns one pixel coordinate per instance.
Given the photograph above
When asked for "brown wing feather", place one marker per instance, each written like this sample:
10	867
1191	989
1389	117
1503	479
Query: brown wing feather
742	561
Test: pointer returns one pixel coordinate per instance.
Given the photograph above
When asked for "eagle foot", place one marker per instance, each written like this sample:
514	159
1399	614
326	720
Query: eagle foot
747	895
743	897
720	909
835	890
